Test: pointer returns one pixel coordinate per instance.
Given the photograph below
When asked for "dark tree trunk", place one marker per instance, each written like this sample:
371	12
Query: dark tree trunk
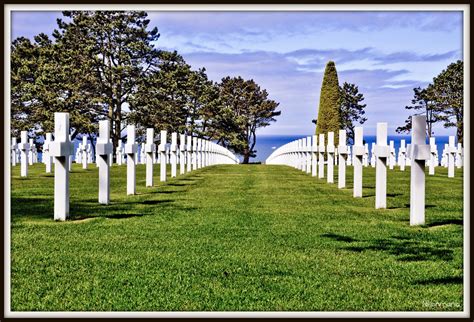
246	154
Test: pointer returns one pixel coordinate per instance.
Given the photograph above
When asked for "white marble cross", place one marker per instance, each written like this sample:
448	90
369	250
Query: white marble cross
349	155
182	154
173	158
418	152
341	178
142	153
46	154
358	152
130	150
314	165
84	152
382	152
365	157
61	149
24	147
451	153
194	153
118	153
402	155
162	149
321	151
459	153
308	154
392	155
189	149
13	148
372	156
300	151
149	151
30	154
104	152
330	154
433	157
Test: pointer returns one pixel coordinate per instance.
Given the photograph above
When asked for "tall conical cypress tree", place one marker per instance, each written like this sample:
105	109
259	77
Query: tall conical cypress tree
329	118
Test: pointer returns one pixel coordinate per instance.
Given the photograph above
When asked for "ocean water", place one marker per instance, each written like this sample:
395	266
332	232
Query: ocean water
266	144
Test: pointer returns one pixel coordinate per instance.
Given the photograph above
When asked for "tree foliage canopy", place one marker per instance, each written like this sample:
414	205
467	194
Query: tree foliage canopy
440	101
351	110
329	118
103	65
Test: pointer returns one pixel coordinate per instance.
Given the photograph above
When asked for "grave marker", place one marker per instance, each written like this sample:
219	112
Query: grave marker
418	152
30	152
24	147
382	152
308	154
61	149
149	150
451	153
162	149
13	148
189	149
182	154
321	150
341	179
459	153
392	155
104	153
433	157
194	154
402	155
365	157
314	165
373	159
173	158
358	153
84	152
46	154
130	150
330	153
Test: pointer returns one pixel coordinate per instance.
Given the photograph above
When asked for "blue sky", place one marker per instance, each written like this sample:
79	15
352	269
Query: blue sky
386	54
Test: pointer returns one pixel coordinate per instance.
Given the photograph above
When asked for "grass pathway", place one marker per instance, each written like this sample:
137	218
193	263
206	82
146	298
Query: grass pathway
235	238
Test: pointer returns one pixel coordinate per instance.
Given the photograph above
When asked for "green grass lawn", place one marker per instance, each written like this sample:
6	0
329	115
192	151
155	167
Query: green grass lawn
234	238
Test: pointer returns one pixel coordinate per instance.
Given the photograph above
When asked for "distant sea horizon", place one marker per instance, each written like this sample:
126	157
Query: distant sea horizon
266	143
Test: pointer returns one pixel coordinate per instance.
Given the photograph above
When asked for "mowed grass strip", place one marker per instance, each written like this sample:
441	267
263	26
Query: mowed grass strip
235	238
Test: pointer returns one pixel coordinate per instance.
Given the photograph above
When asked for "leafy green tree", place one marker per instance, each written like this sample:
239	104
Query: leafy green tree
440	101
351	110
423	102
448	94
329	118
243	108
108	53
39	87
160	99
175	98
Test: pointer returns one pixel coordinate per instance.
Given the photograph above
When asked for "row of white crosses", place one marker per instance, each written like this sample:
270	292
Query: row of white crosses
301	154
202	153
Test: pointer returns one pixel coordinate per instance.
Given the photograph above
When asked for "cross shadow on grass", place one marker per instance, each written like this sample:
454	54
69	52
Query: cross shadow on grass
444	222
406	250
337	237
441	281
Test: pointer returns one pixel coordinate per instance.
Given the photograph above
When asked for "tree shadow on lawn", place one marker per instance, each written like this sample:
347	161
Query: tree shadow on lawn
31	207
406	250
